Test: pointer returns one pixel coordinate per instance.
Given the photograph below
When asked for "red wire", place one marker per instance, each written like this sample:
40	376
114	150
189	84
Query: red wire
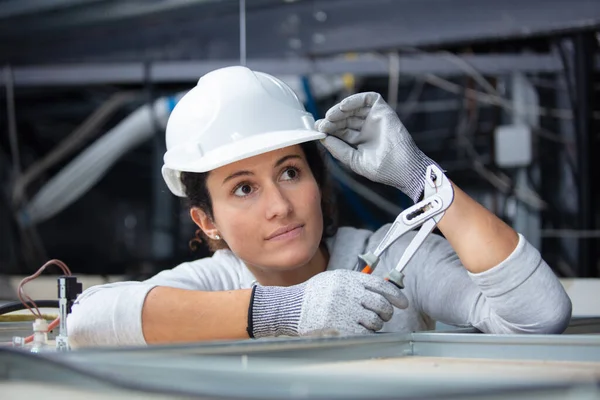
25	298
52	325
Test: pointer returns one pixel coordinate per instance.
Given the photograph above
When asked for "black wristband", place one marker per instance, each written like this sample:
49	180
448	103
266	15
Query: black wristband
250	328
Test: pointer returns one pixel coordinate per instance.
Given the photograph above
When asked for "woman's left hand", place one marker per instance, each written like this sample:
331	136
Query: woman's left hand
365	133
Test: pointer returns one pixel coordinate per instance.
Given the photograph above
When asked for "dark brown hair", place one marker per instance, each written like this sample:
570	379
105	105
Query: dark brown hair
198	196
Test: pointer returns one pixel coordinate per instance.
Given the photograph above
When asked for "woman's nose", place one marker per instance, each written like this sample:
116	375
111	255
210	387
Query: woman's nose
278	205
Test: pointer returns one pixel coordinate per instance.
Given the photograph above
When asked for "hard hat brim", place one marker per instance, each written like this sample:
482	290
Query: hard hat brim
235	151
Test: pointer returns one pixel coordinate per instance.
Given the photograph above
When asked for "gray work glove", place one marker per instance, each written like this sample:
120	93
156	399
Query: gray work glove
365	133
332	302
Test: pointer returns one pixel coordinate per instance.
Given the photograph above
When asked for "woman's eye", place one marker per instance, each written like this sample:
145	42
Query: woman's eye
290	174
243	190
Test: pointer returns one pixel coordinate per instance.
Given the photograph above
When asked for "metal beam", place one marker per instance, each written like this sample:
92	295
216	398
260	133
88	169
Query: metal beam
585	46
94	13
116	32
190	71
389	24
19	8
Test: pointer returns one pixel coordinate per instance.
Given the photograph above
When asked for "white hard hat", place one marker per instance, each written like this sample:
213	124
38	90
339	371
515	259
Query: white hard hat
231	114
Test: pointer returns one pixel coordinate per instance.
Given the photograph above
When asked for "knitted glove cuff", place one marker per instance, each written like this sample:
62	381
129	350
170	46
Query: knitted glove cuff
406	169
275	311
416	183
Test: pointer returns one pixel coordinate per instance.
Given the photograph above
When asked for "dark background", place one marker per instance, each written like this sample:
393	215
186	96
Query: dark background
110	229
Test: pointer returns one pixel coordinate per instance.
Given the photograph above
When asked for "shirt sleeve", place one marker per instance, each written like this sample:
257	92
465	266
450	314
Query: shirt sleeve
520	295
111	314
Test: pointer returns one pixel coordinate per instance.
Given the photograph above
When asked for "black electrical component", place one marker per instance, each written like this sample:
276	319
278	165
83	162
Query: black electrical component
71	288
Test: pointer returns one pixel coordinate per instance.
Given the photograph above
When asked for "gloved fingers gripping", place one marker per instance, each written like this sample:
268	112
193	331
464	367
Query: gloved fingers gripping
359	100
371	321
348	130
338	149
318	124
352	137
378	304
326	126
336	113
388	290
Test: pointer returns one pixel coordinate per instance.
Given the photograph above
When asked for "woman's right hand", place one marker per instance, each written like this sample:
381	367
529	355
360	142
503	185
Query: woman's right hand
332	302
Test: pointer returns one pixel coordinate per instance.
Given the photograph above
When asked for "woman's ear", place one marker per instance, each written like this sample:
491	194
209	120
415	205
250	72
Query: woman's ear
204	222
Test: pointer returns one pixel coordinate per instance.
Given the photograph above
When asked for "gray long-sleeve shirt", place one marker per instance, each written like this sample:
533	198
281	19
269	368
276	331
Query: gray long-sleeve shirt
520	295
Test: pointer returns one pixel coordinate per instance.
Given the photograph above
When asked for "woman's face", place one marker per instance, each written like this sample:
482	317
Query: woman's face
268	209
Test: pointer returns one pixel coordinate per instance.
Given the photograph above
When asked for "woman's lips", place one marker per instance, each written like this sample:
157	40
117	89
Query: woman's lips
285	233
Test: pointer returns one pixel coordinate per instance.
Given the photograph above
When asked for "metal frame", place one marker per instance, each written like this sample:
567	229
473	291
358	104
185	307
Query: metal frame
190	71
219	377
467	343
282	368
209	30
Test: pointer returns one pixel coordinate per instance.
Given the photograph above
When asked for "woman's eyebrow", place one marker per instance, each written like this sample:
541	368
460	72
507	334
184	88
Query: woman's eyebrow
236	174
246	173
284	159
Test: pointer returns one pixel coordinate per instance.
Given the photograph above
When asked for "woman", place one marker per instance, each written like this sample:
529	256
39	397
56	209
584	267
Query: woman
243	150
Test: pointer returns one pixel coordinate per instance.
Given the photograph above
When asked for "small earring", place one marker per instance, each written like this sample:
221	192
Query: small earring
217	237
